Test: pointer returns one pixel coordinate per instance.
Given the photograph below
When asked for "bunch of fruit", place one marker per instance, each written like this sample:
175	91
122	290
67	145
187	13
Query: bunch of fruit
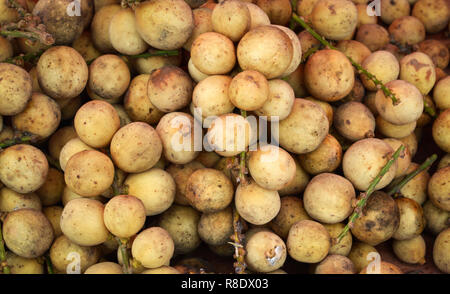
135	132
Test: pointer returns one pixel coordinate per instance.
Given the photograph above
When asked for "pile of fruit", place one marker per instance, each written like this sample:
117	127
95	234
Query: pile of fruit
141	136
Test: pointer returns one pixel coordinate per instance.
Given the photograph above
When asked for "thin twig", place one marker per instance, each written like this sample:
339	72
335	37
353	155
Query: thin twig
309	52
365	196
124	252
360	69
426	164
238	239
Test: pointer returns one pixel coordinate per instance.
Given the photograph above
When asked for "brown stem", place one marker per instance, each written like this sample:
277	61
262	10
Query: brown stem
238	240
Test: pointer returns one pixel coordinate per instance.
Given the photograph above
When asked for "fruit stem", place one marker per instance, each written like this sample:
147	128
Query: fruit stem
49	264
426	164
242	160
4	264
238	240
428	109
20	59
25	138
310	52
130	3
238	237
365	196
124	252
360	69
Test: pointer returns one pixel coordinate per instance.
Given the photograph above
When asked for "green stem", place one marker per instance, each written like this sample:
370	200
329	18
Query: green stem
362	202
428	109
26	58
4	264
360	69
20	140
49	264
426	164
242	163
20	34
125	257
310	52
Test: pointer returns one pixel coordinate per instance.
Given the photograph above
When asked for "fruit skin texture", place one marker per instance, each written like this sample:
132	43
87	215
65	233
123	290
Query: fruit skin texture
335	19
271	167
41	116
266	49
266	252
335	264
231	18
329	75
379	219
27	232
63	27
249	90
328	198
89	173
164	24
124	215
169	89
136	147
15	89
255	204
23	168
441	130
439	188
441	251
62	72
363	161
304	129
308	241
213	54
209	190
153	247
82	222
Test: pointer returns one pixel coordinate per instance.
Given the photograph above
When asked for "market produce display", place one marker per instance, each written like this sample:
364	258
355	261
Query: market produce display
230	136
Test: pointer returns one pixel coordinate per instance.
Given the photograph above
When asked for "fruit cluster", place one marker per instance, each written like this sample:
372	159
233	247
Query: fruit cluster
134	131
